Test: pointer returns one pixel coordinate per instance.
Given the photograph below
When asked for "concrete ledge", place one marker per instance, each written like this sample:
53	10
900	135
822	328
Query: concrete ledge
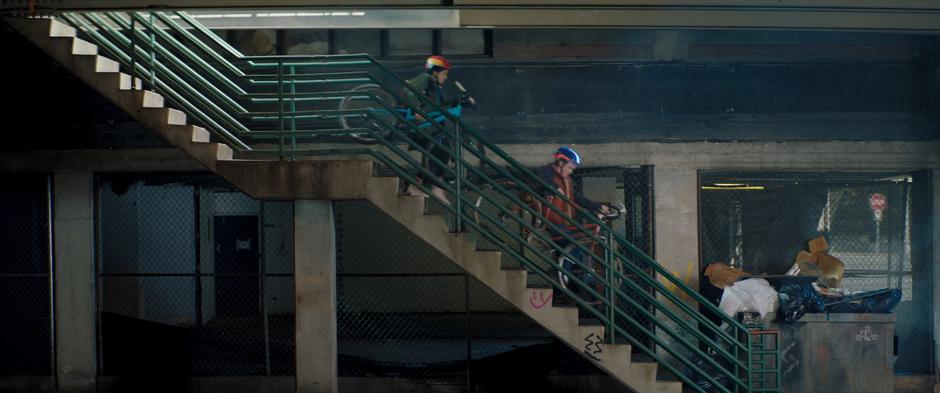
286	180
27	383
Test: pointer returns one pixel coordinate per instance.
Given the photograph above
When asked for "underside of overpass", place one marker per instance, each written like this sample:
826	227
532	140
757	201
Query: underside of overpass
686	90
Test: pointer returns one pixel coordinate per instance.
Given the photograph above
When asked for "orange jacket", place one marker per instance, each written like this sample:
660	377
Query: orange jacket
564	185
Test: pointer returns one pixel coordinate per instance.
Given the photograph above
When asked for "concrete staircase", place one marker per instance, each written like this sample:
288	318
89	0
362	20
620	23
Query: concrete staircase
338	180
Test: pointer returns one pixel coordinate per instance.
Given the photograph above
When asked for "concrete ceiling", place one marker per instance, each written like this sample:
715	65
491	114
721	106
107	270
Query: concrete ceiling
856	15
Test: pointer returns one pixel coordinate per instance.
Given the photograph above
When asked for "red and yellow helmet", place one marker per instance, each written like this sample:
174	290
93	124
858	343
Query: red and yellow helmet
436	62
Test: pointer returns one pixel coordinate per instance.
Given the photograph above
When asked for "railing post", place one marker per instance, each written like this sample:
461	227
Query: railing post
133	37
153	54
293	110
609	290
458	169
280	108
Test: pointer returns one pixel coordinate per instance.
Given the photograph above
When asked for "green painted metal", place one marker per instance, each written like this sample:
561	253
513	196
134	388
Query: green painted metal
296	101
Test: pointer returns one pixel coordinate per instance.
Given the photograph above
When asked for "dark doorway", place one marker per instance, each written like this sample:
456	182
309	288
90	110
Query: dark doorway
237	265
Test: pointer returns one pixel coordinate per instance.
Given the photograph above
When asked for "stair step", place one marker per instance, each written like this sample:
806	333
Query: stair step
82	47
125	83
199	134
667	387
149	99
104	65
513	268
59	29
539	285
223	152
644	370
175	117
589	322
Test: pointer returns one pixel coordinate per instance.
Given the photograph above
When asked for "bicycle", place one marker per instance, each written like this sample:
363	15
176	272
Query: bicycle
378	118
562	265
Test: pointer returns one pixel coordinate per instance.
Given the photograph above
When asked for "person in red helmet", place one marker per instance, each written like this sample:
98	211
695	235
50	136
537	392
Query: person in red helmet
430	84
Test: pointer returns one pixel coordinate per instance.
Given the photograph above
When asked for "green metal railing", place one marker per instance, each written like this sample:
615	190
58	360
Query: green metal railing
284	107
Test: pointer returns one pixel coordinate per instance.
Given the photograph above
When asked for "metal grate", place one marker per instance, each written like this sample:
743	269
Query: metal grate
633	188
760	221
203	271
406	313
25	285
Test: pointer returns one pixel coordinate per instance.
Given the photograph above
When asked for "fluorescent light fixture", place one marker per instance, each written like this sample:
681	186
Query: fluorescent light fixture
313	18
729	184
746	188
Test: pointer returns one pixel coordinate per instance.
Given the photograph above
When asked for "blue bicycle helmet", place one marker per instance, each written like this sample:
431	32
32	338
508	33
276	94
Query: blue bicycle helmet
568	154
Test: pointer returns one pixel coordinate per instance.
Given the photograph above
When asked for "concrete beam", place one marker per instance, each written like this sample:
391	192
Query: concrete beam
76	363
100	160
315	296
836	156
681	17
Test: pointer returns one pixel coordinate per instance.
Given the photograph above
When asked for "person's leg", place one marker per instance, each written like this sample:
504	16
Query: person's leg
421	177
439	171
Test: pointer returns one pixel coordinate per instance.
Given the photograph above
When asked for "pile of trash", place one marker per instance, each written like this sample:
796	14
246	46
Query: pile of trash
812	285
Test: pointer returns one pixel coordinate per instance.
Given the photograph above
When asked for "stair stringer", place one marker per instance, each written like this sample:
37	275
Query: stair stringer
511	284
268	180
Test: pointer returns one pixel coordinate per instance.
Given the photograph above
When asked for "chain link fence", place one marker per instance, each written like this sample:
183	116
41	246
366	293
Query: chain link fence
25	283
631	188
759	222
406	313
195	278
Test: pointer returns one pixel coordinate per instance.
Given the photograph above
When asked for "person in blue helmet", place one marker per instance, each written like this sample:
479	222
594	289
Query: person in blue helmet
558	173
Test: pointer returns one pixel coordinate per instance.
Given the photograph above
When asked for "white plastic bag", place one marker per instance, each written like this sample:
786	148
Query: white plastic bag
753	295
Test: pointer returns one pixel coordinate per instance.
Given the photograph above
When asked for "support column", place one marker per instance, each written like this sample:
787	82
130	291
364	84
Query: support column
935	241
315	296
676	232
676	216
74	267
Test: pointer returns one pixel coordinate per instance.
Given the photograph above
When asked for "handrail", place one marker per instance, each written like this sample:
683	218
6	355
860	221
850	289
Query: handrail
240	98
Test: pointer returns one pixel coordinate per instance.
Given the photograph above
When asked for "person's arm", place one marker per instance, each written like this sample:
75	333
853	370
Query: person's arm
586	203
548	176
420	83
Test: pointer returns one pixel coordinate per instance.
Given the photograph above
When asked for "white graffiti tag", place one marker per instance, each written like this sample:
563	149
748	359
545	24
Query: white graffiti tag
866	335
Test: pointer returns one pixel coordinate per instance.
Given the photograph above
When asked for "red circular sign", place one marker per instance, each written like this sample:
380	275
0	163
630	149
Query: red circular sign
877	201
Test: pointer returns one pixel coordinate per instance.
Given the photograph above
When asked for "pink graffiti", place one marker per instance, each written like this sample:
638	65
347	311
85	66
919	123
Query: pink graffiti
540	300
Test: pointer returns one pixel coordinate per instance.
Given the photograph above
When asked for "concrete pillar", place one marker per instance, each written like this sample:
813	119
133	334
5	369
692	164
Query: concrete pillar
935	241
315	296
676	230
676	215
76	364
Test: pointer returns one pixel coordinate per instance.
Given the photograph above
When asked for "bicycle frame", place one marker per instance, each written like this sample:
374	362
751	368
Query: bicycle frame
436	116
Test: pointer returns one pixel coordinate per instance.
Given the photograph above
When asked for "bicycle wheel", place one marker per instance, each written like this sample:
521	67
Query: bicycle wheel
363	121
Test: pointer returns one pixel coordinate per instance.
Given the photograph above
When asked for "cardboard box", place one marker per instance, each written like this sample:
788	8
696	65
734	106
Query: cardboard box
802	256
818	244
721	275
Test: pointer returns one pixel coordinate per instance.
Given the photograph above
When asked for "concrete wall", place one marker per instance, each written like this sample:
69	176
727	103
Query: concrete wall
551	85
